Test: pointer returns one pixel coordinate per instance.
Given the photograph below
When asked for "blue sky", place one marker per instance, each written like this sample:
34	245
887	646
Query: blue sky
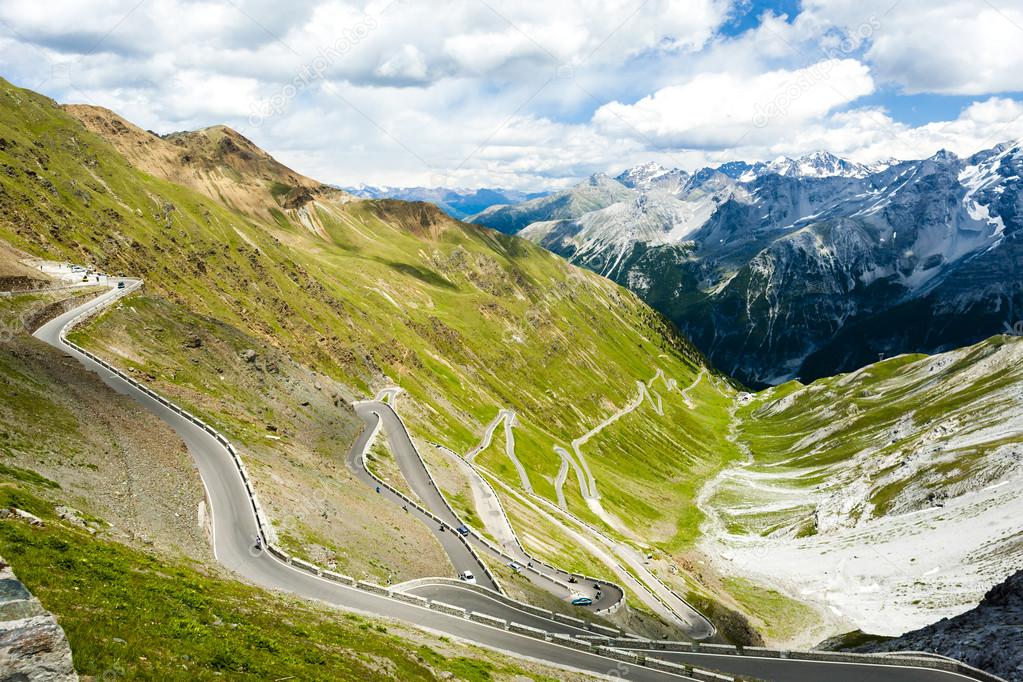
746	15
533	94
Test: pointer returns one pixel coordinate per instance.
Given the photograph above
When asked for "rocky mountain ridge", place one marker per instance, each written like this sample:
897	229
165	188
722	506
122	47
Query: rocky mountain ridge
806	267
218	162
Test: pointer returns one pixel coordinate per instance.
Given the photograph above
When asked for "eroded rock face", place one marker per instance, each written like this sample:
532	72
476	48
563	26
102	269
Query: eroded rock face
33	647
989	637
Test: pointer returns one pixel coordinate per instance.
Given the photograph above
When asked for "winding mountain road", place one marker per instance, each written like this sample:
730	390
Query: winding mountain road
235	529
657	596
605	595
462	554
508	417
462	558
235	526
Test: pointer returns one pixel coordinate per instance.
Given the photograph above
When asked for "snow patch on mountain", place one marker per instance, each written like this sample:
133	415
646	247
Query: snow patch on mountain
654	176
610	234
981	177
819	164
827	528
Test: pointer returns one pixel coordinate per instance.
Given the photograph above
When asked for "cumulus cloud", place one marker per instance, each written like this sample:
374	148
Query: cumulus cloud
964	48
869	134
719	109
524	93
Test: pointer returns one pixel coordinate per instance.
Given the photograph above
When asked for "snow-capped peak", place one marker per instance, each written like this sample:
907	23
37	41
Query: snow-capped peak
652	175
819	164
882	164
944	156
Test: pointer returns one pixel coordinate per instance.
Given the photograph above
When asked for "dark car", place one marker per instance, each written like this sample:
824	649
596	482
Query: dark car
462	530
120	285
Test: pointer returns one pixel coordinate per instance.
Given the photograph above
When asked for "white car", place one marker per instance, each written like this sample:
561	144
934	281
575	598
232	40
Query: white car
467	577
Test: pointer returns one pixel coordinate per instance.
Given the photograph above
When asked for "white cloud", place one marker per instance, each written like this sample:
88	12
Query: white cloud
407	65
721	109
868	134
397	92
965	48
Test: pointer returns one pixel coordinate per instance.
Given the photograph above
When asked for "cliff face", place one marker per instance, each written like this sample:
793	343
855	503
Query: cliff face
989	637
33	647
803	268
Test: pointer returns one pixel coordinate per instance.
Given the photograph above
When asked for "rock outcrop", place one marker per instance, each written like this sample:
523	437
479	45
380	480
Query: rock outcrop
33	647
989	637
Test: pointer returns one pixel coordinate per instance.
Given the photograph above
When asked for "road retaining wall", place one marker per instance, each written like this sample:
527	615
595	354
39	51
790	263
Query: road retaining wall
488	620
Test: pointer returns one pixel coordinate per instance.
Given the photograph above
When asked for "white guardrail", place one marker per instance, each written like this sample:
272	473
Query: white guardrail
636	651
605	611
264	529
594	628
423	510
609	540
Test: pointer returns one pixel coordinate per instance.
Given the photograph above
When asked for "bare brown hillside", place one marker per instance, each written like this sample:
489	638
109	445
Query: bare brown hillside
218	161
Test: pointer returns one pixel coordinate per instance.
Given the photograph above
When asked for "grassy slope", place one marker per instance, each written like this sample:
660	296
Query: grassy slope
109	458
894	437
639	443
117	461
912	428
130	615
293	426
465	319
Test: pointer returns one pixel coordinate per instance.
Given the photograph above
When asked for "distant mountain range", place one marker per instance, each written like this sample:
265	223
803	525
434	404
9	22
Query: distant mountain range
457	203
802	267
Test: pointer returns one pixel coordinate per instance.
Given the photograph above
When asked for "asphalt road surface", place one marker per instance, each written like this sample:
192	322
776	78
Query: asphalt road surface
234	533
780	670
415	474
235	529
461	558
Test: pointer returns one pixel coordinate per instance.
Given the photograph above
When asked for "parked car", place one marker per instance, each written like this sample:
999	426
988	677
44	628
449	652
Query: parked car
581	600
462	530
467	577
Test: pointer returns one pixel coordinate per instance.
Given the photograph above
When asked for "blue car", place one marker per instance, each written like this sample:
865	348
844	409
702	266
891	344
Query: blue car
581	601
463	530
